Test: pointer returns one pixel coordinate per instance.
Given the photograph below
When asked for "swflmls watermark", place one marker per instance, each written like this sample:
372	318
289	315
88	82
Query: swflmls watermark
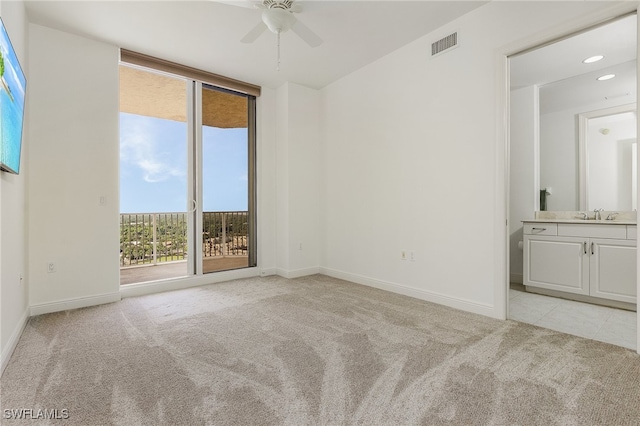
35	414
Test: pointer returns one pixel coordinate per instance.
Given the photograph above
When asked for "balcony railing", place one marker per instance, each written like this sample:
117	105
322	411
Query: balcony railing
153	238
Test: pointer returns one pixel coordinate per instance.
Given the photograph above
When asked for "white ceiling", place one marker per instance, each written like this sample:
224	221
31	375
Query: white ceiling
206	34
565	81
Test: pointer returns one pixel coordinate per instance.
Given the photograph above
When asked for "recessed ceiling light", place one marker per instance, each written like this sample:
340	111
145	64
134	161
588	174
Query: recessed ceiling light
606	77
593	59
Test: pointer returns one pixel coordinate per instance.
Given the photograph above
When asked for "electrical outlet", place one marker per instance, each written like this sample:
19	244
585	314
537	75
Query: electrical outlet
299	246
51	267
403	255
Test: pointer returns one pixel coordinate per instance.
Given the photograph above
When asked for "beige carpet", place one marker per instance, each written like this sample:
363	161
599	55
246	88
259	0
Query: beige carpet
309	351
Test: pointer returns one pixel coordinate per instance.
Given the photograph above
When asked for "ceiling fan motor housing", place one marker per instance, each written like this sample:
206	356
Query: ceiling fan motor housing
279	4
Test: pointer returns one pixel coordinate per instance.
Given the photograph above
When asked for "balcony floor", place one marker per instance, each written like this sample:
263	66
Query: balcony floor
139	274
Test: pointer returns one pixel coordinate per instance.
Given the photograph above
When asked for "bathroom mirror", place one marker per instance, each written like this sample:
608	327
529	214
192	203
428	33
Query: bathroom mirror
571	96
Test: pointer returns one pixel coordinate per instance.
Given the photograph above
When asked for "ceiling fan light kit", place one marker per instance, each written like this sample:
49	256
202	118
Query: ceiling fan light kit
278	20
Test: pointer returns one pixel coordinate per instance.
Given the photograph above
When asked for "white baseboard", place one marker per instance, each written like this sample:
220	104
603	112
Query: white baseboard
133	290
441	299
80	302
295	273
5	356
265	272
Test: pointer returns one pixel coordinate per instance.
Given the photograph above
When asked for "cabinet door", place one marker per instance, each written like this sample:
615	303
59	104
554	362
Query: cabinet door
556	263
613	269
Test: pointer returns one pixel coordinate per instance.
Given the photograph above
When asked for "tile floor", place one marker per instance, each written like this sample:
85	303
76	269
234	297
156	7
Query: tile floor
610	325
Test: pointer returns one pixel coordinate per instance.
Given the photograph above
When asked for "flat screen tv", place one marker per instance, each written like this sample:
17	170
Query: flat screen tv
12	91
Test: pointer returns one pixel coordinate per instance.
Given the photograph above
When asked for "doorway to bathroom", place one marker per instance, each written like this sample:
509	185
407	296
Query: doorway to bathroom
555	91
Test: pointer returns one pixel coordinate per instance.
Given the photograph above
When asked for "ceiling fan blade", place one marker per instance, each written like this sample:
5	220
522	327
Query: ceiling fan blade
241	3
252	35
305	33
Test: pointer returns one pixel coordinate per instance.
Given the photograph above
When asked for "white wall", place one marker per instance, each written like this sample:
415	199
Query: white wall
298	180
266	172
282	180
411	161
13	228
73	160
523	174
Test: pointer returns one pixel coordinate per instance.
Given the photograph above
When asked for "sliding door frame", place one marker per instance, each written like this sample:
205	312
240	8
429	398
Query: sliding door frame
253	199
195	179
195	206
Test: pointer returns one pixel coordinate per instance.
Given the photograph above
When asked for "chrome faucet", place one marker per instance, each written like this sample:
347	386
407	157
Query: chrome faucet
612	215
597	214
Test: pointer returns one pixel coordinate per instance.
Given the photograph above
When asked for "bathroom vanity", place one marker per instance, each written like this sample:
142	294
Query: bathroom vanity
588	260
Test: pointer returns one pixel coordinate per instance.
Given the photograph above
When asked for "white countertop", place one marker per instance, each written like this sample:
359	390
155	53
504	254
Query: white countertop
582	221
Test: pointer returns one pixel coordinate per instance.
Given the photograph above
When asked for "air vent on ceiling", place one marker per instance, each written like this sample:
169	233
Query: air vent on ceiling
444	44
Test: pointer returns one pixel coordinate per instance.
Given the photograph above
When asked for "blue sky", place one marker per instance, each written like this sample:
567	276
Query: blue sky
153	166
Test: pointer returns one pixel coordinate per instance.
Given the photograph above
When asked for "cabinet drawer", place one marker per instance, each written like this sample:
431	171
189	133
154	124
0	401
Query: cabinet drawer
540	229
592	230
631	232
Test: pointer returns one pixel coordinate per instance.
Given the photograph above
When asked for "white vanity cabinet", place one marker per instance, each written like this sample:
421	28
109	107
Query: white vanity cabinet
590	259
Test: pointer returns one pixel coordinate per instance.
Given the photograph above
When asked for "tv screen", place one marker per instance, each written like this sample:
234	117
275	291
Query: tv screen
12	91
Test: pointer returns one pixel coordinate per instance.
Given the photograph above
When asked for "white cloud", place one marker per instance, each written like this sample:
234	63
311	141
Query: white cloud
140	146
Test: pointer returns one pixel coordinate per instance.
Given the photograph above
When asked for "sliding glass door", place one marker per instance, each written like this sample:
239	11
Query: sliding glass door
227	192
153	176
187	177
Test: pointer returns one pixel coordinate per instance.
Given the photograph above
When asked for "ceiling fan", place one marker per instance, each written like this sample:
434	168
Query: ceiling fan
277	16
